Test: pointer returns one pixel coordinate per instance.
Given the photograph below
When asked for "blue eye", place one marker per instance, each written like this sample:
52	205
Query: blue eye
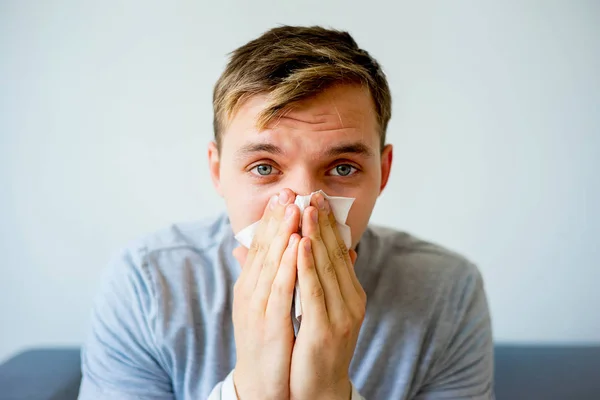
343	170
263	169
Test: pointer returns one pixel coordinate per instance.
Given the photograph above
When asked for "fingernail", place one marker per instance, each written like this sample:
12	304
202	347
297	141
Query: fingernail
273	202
320	202
283	197
292	241
314	215
289	211
307	245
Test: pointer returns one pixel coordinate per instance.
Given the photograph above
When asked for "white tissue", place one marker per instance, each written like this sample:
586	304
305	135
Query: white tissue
340	207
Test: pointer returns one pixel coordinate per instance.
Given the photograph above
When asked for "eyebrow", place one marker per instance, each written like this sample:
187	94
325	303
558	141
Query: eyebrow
358	148
351	148
251	148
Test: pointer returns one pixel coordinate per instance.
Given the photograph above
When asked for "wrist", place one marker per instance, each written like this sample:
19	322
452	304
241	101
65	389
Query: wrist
244	390
341	391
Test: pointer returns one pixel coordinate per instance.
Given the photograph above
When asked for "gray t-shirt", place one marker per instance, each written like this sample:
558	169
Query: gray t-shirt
161	324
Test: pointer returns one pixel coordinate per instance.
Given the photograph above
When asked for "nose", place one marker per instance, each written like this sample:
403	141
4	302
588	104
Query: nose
302	182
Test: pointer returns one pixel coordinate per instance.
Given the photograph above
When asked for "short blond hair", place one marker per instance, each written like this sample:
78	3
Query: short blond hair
291	63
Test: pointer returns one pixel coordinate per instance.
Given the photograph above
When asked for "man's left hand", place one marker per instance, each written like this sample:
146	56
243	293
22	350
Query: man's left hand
333	309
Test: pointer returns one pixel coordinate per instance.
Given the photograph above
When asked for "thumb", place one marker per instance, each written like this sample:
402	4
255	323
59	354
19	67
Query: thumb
240	254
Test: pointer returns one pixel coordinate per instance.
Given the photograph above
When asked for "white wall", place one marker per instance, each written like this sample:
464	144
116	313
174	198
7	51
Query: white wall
105	112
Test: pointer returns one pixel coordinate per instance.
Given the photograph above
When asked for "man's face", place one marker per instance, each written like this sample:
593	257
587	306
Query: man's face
329	142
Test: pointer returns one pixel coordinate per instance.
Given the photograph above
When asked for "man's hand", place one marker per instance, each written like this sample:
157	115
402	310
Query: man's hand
333	307
264	335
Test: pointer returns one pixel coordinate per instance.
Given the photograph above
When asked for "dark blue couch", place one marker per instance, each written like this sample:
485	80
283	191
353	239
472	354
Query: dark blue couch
522	372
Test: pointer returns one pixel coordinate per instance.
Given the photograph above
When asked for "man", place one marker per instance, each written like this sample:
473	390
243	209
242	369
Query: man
187	313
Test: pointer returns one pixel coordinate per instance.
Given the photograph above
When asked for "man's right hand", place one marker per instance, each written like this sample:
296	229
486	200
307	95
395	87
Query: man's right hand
262	302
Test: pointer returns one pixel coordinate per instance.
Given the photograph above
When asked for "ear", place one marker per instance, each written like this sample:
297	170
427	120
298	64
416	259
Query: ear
214	166
386	165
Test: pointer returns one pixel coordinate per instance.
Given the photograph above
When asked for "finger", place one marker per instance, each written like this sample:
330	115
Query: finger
349	254
257	245
323	264
280	240
264	236
336	249
314	309
273	210
352	256
279	303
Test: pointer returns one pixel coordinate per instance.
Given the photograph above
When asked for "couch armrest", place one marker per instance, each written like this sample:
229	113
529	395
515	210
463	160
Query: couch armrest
547	372
41	374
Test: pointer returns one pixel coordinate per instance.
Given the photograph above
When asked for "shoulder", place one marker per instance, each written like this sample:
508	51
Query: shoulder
162	267
198	236
401	255
427	284
145	296
436	297
167	250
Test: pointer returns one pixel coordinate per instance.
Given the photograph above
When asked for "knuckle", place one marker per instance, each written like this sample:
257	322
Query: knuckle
317	292
329	269
360	312
346	330
341	252
279	290
345	327
269	265
256	246
262	247
363	296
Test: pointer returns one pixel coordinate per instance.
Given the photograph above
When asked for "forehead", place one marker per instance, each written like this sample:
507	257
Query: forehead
343	112
341	105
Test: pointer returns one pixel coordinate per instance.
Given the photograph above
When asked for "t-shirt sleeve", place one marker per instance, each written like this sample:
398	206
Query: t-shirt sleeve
465	365
120	358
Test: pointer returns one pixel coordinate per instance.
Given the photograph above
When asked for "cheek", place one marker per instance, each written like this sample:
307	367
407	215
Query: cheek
359	216
245	205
